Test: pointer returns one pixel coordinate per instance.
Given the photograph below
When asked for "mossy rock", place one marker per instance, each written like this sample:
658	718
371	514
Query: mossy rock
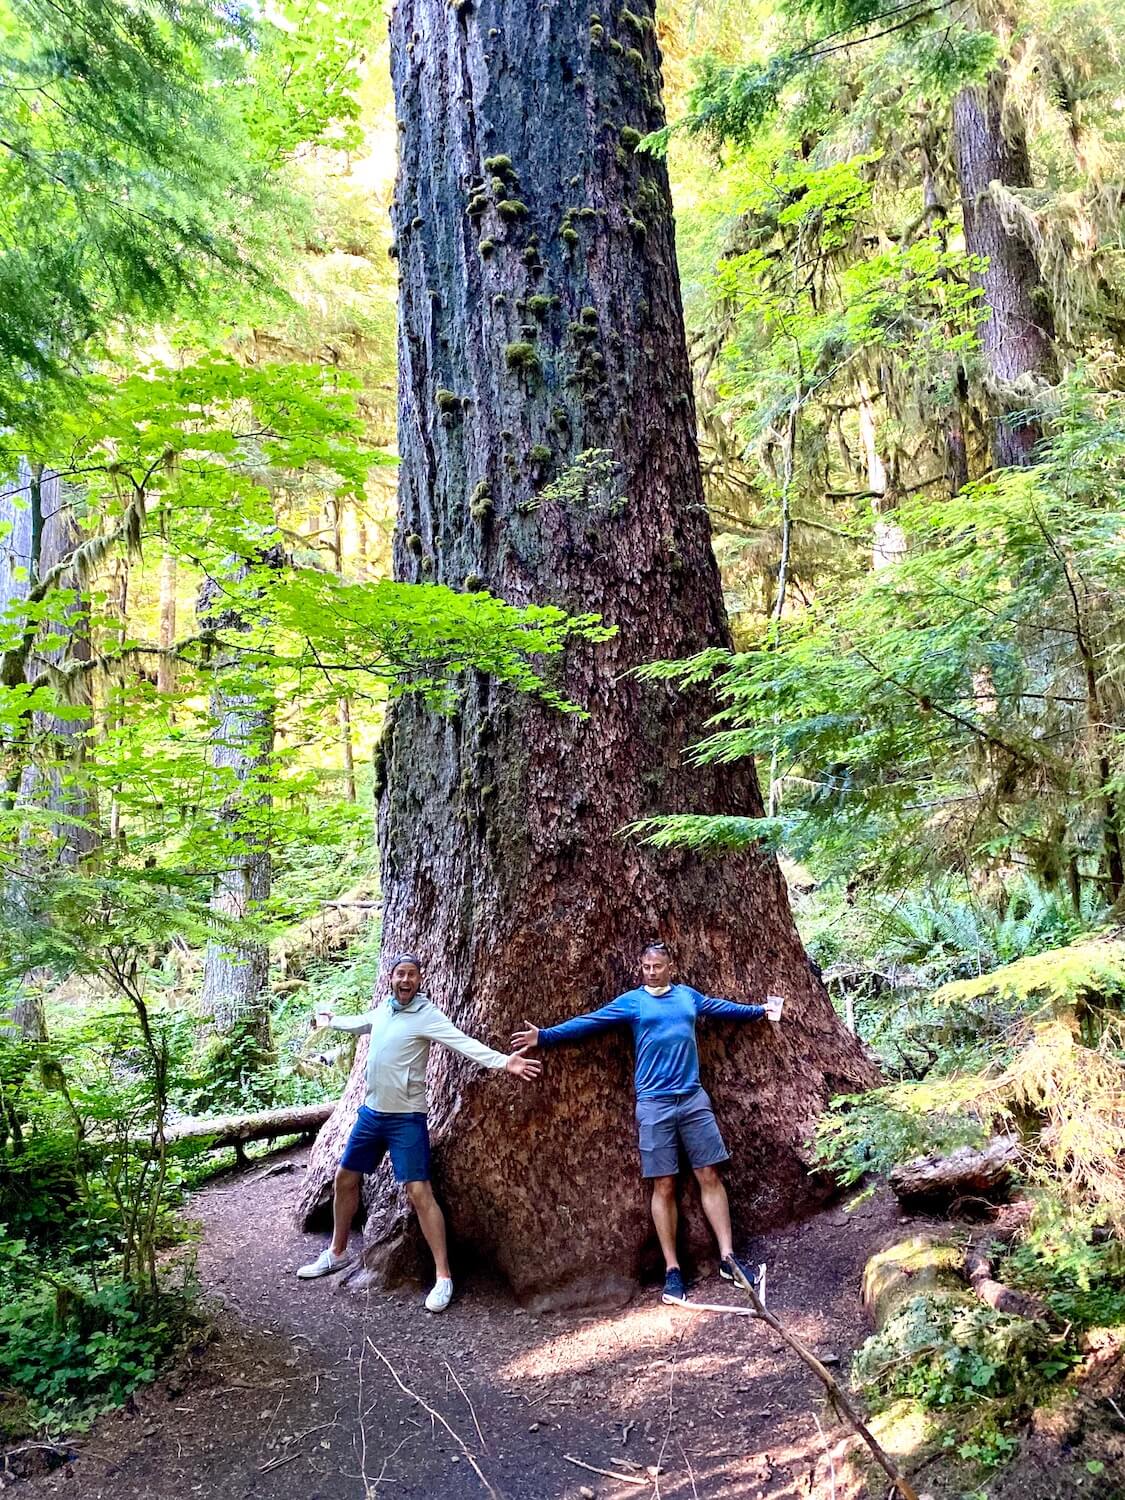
920	1264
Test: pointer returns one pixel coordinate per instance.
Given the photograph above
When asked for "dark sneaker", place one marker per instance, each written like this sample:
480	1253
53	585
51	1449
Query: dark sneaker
674	1289
734	1268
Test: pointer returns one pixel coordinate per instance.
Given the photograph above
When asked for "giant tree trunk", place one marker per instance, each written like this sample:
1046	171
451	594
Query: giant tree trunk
540	320
235	995
990	154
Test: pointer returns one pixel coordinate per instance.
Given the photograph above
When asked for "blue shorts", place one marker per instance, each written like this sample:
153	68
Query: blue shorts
667	1121
404	1136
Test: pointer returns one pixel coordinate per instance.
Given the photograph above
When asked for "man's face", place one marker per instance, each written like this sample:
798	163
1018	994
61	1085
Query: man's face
656	970
406	980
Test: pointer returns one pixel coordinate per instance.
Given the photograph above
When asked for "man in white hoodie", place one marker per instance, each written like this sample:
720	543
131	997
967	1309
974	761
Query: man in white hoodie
393	1115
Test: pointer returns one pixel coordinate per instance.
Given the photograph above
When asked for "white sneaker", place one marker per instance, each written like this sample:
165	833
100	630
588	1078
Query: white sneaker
441	1296
323	1265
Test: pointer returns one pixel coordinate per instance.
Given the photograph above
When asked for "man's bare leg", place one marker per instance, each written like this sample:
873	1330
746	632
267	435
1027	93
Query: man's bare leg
716	1206
345	1205
432	1223
666	1216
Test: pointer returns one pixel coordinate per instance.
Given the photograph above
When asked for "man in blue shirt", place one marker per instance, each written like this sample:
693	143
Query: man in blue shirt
672	1108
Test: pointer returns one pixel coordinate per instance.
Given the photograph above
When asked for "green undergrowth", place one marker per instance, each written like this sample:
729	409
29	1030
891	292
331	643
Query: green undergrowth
1034	1048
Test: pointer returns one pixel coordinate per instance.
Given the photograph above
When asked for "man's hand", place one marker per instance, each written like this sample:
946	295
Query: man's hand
523	1067
323	1016
528	1037
773	1005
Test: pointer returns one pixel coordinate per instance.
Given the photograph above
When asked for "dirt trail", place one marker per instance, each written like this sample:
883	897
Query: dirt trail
291	1402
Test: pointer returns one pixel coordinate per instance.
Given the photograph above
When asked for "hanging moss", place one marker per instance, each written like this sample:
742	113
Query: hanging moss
640	24
615	46
635	59
499	300
589	316
417	222
540	305
630	137
501	166
414	543
638	228
499	187
480	503
596	35
569	235
523	357
511	208
486	247
478	204
539	453
473	583
447	401
530	256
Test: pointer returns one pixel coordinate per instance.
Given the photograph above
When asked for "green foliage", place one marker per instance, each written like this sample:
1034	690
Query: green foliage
937	712
71	1348
142	145
946	1349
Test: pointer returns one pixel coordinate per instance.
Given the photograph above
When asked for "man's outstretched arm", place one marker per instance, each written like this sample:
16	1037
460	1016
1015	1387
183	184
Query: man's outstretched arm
616	1013
731	1010
356	1025
441	1029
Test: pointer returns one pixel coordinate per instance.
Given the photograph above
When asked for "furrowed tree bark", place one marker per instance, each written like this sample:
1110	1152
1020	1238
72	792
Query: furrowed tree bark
1017	338
540	320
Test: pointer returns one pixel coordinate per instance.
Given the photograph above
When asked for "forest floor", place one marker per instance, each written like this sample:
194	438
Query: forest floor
294	1395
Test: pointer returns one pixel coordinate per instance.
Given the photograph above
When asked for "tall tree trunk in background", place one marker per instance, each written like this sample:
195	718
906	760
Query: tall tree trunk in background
344	707
41	532
889	539
235	993
540	320
166	667
989	147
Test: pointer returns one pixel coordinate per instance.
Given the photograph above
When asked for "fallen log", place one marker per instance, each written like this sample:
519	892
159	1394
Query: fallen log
218	1131
939	1181
1005	1299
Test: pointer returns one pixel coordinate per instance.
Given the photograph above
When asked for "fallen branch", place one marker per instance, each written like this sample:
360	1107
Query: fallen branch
469	1404
607	1473
435	1416
836	1397
1005	1299
218	1131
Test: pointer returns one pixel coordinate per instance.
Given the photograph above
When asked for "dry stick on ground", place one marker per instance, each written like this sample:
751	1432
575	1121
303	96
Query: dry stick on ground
609	1473
437	1416
469	1404
835	1392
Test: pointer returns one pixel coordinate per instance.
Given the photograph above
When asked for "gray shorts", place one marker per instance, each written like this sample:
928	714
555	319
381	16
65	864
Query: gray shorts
666	1122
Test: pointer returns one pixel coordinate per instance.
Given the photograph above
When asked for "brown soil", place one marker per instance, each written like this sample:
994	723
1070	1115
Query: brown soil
291	1399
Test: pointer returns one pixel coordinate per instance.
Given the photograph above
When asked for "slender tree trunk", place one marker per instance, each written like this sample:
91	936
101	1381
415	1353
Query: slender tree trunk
889	542
235	993
540	320
990	154
42	533
166	667
344	707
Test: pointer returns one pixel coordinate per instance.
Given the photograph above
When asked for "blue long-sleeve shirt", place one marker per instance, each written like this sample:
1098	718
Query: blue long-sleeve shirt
667	1059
